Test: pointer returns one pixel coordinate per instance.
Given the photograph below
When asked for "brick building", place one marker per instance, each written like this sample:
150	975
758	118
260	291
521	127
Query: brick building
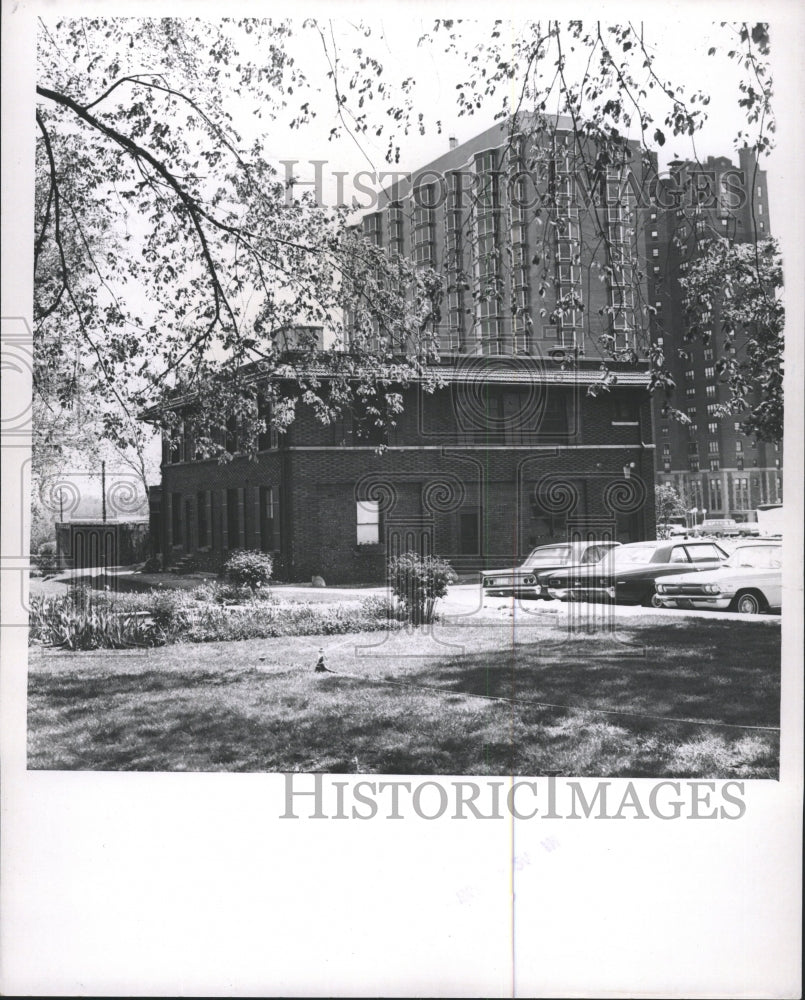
714	466
510	450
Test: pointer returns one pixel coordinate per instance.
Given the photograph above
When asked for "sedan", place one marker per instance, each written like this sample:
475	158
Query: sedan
522	580
628	574
749	582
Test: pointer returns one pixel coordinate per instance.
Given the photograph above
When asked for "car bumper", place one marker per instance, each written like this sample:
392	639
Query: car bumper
697	603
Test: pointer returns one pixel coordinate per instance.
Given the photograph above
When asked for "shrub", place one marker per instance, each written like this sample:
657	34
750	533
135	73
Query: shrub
60	621
169	610
248	568
153	564
418	582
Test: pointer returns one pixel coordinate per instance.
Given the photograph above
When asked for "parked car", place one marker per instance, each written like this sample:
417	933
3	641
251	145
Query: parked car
522	580
628	574
717	527
750	582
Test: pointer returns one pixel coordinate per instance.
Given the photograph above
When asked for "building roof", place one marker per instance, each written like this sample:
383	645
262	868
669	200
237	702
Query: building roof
481	369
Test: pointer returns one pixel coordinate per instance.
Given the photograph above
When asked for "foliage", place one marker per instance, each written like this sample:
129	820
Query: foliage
77	625
740	285
170	610
668	504
143	181
417	582
249	568
153	564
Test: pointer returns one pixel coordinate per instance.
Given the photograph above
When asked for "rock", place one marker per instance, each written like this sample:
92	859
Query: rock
318	581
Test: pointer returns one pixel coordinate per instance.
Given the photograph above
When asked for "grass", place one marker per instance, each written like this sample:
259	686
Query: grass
408	704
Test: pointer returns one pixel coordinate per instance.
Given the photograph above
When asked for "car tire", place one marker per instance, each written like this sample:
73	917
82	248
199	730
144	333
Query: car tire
653	602
748	602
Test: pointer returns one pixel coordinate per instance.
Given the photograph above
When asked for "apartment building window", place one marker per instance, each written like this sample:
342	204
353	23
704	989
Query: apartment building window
655	252
693	447
712	428
654	234
708	354
693	429
715	494
693	464
712	409
737	426
368	522
664	430
666	450
739	463
683	267
714	465
682	232
666	465
740	487
689	374
269	519
710	391
656	269
712	447
709	372
739	446
373	228
690	391
396	229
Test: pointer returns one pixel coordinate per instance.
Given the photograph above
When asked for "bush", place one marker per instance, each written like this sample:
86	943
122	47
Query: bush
169	610
248	568
418	582
153	565
63	622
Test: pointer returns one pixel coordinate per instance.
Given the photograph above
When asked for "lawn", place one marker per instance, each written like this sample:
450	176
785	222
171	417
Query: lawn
662	697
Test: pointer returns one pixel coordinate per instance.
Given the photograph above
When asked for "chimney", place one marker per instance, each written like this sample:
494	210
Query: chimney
453	142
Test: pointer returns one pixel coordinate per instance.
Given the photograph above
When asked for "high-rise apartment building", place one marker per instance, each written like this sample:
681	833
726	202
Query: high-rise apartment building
715	468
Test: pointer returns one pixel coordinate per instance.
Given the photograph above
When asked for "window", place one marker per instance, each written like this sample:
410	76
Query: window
655	252
737	426
176	519
693	464
656	269
709	372
678	555
654	234
710	392
683	267
715	494
740	488
712	428
368	522
269	519
714	466
711	409
690	391
704	553
739	446
664	430
708	354
693	429
739	463
666	450
689	374
713	447
202	518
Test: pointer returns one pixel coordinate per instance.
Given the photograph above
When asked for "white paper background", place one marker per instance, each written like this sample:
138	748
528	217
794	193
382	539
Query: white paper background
143	884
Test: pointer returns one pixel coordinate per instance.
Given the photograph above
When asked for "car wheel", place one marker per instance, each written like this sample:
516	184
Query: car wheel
653	602
749	602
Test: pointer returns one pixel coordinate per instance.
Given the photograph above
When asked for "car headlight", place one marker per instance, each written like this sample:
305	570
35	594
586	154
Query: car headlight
488	582
660	588
529	580
712	588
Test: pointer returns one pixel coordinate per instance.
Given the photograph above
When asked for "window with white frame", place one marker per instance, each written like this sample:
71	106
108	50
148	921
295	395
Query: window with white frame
710	391
368	522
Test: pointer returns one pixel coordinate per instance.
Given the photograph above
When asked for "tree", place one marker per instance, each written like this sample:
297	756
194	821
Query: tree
169	262
740	284
668	504
167	257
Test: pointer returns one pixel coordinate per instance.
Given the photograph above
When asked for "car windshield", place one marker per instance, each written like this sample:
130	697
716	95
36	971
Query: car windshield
557	554
756	557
